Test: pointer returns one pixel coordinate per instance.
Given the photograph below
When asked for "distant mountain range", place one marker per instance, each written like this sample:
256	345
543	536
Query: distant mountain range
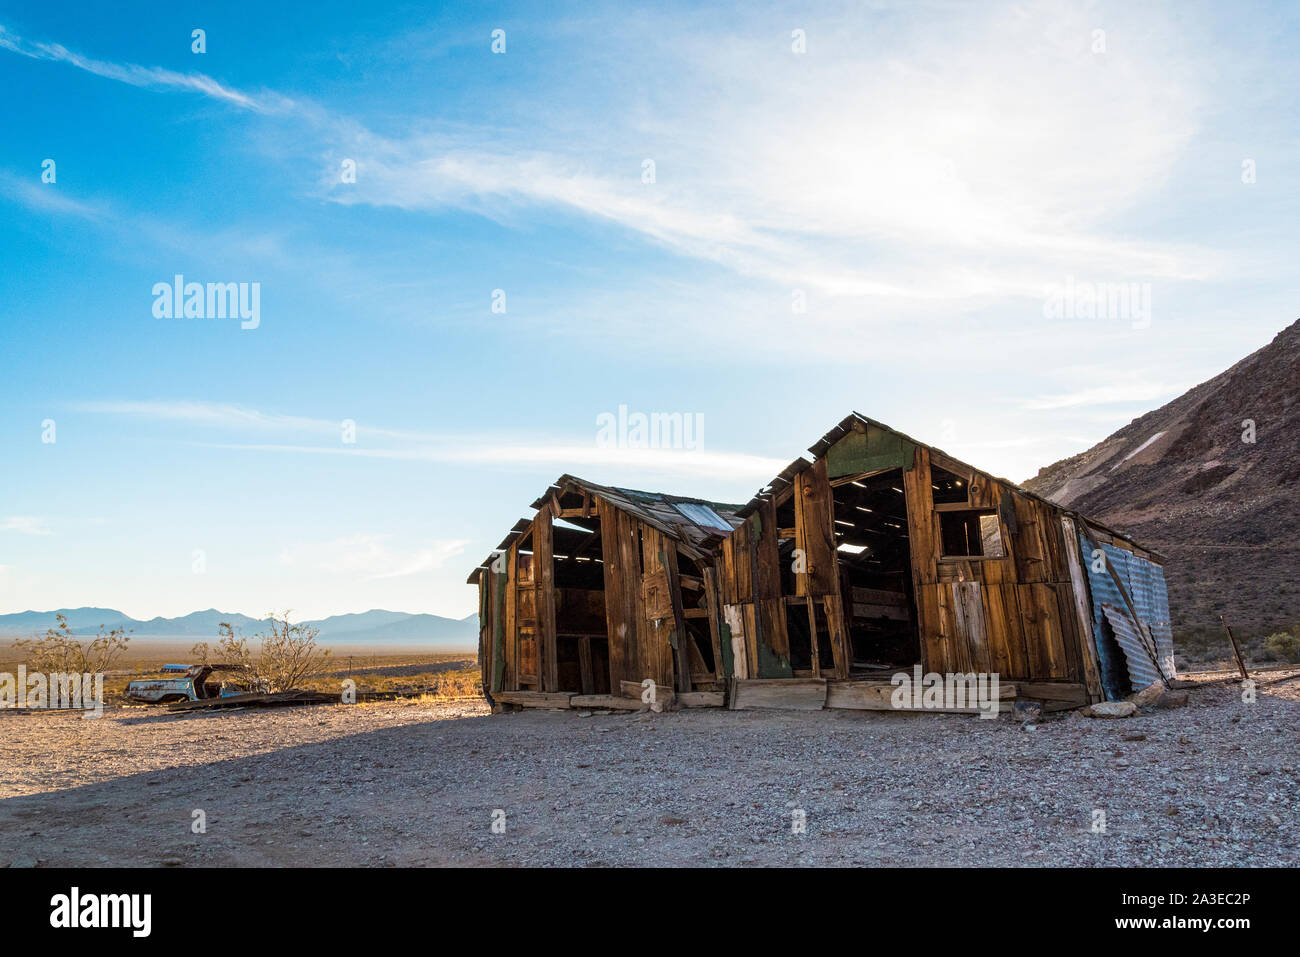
1212	481
369	627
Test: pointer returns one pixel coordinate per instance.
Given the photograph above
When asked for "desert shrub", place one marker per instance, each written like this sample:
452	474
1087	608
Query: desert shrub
1284	645
286	656
457	684
60	652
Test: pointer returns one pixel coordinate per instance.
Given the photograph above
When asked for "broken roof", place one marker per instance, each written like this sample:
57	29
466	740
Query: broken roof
694	522
699	524
846	426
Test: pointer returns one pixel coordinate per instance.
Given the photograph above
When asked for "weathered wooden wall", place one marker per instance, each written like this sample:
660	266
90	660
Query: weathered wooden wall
1015	615
1018	615
751	583
1024	615
644	610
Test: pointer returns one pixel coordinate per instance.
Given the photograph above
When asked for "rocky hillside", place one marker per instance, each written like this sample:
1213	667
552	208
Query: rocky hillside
1212	481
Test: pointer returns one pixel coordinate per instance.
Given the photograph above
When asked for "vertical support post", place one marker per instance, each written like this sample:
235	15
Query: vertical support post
544	582
1236	652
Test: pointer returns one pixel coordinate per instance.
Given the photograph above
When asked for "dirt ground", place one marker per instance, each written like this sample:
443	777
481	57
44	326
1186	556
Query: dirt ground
417	783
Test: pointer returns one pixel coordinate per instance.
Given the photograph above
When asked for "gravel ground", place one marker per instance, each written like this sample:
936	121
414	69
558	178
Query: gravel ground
417	783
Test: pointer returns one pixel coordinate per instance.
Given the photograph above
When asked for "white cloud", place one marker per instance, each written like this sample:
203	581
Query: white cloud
833	169
371	557
423	446
956	154
25	525
150	77
1109	394
678	462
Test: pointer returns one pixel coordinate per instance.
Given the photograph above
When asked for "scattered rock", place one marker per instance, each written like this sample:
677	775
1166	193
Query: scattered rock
1171	699
1134	737
1148	695
1029	712
1111	709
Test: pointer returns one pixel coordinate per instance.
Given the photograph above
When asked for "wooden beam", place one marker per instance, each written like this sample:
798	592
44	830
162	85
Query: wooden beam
794	694
534	699
544	582
680	635
603	701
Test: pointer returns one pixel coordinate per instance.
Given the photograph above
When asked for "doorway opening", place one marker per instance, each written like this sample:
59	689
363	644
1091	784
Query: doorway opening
875	569
581	640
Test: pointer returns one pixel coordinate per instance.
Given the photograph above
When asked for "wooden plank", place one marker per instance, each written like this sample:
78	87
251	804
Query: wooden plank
1044	642
656	647
655	595
715	616
791	694
859	696
535	699
814	532
617	610
968	608
922	529
890	612
873	696
735	618
740	567
879	596
949	651
774	628
681	639
544	600
812	637
930	622
752	550
1005	631
585	676
702	699
1082	611
1053	691
511	682
1069	624
605	702
751	637
833	607
767	581
632	689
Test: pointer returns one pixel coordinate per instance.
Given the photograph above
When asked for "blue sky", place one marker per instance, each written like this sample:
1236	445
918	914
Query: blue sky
924	178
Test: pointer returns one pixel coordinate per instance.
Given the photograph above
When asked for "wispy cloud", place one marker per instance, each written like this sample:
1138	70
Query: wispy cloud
827	171
830	170
371	557
24	525
149	77
427	446
1108	394
43	197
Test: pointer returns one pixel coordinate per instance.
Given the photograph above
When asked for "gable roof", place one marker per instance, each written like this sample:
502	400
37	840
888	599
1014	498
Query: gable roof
846	426
694	521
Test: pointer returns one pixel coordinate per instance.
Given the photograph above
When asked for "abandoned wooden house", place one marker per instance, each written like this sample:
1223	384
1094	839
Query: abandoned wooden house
602	589
880	555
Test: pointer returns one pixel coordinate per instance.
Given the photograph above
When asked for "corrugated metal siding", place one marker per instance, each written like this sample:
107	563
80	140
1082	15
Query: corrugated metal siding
1145	583
1141	669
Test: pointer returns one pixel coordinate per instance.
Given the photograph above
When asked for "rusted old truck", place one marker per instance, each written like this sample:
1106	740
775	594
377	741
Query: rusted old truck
190	683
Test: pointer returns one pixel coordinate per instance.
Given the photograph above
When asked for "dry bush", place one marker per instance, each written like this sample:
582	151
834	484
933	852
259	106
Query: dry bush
1285	645
457	684
60	653
286	657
